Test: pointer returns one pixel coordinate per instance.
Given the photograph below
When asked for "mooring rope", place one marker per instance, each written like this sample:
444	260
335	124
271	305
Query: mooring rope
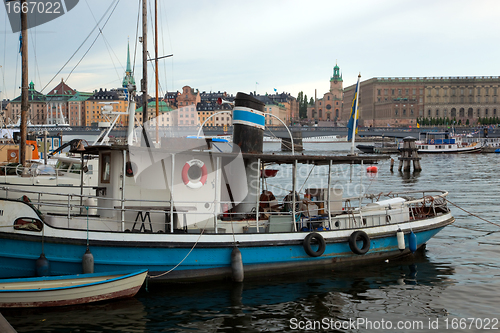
187	255
472	214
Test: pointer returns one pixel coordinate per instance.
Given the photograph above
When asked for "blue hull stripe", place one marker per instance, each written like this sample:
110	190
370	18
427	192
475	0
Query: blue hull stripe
17	257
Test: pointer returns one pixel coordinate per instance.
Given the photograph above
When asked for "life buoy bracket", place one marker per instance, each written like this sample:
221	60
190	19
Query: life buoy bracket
319	240
356	236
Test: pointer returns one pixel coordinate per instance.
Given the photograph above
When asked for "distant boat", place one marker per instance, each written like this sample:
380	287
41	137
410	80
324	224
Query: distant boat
69	289
325	139
444	142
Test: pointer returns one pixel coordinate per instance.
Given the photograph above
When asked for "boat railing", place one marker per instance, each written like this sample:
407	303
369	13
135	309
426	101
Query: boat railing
157	215
7	171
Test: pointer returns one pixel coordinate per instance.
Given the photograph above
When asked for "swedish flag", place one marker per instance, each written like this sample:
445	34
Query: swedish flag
353	119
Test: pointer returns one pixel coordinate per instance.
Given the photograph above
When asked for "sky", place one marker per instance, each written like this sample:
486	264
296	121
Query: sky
258	45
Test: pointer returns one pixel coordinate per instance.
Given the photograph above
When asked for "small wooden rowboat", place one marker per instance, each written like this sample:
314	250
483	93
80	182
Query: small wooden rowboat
69	289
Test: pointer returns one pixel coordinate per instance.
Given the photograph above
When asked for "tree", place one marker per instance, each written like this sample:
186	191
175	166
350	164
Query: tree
302	100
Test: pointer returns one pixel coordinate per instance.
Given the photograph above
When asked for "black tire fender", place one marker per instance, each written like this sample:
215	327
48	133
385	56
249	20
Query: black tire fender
319	239
356	236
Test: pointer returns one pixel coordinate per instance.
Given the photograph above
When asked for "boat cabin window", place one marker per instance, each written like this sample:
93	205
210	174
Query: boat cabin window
106	168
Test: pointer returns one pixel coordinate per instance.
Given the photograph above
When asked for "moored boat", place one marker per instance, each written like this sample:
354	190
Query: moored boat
444	142
196	214
70	289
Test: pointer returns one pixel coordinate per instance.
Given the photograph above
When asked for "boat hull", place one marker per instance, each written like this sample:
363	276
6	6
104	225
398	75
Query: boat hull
189	257
69	290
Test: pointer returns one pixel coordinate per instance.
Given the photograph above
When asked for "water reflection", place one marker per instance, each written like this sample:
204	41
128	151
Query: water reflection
270	304
409	177
128	315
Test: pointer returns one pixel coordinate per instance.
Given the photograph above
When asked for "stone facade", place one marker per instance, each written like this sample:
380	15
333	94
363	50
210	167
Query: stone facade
400	101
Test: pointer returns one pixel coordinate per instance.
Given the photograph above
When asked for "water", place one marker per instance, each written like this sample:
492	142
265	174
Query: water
456	278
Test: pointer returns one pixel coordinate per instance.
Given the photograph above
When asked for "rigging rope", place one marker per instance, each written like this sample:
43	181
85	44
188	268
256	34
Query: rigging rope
95	40
79	47
472	214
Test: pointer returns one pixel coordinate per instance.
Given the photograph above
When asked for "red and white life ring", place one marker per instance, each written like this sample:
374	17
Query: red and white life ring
197	181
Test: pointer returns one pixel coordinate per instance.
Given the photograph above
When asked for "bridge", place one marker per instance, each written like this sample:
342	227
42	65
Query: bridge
278	131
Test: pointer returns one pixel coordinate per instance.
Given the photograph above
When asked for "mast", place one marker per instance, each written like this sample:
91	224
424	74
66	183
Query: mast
24	83
156	70
144	81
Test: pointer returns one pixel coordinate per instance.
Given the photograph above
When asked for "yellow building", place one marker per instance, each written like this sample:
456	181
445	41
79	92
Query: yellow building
94	106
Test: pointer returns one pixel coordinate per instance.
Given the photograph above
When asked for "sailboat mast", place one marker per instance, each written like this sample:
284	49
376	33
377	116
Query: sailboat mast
24	83
156	70
144	81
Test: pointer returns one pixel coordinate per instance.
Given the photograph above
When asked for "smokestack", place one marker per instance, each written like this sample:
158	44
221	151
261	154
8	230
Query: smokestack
249	123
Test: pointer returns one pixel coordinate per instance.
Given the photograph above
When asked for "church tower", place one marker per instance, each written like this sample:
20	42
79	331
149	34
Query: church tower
128	79
336	83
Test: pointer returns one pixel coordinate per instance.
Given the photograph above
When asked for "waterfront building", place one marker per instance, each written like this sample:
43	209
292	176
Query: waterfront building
208	109
329	108
400	101
274	110
76	107
165	115
57	108
188	97
36	112
290	104
94	106
171	98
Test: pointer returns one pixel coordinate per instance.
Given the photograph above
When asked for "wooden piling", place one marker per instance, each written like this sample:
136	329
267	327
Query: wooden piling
408	154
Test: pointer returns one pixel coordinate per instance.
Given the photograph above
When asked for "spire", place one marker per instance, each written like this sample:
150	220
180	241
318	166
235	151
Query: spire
128	78
129	69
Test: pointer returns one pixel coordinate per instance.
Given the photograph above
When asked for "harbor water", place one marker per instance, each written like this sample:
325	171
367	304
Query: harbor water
453	285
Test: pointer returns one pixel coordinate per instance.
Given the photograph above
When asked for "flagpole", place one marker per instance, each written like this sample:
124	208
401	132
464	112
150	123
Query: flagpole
355	124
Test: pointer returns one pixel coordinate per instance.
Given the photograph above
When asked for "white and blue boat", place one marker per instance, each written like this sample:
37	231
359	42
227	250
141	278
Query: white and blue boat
50	291
187	213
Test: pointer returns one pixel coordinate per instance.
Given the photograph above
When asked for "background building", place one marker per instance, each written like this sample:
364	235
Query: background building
329	108
401	101
37	106
94	104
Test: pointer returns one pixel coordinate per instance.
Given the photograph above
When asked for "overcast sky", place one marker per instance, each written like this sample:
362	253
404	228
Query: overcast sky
291	46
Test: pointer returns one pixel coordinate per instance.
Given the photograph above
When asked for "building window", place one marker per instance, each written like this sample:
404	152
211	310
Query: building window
392	91
399	92
437	112
486	112
396	112
386	92
404	112
461	91
407	91
379	92
478	90
486	91
437	91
